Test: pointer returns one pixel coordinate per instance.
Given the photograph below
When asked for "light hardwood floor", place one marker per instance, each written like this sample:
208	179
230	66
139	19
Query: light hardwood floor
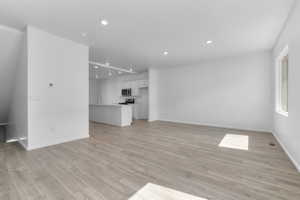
114	163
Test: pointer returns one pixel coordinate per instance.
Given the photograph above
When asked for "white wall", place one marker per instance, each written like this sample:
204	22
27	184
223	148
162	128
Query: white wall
10	45
153	94
60	113
18	110
232	92
93	92
286	129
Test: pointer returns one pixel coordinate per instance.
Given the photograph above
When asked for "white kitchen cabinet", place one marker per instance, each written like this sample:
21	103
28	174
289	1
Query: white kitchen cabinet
126	84
134	88
114	114
135	85
132	85
142	83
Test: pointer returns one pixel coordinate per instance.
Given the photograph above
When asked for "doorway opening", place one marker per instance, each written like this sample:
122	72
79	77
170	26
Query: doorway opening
140	111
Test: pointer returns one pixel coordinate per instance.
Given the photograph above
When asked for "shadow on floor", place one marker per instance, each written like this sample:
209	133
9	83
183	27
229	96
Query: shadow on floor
2	135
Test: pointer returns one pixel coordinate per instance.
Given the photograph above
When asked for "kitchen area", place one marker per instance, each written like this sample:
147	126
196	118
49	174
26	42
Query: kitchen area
116	97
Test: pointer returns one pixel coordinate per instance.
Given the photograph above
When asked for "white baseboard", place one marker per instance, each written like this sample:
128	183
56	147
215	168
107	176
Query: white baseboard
216	125
21	142
296	164
56	143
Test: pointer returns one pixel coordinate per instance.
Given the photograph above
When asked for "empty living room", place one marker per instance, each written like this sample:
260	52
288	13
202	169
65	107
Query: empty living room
149	100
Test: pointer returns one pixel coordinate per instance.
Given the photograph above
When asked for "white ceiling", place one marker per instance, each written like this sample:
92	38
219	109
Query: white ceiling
139	30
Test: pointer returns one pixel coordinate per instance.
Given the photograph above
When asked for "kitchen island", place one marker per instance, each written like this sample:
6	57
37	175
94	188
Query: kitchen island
113	114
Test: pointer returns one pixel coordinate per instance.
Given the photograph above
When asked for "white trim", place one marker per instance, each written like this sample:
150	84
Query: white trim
29	148
12	140
278	72
296	164
16	139
281	112
216	125
22	144
7	28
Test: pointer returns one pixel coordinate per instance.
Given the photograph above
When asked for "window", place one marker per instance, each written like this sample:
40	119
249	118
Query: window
282	83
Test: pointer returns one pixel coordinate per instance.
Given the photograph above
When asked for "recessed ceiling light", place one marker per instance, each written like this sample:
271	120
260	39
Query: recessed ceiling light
96	67
166	53
209	42
83	34
119	72
104	22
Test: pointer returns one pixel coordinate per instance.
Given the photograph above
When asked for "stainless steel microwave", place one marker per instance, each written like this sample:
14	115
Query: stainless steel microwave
126	92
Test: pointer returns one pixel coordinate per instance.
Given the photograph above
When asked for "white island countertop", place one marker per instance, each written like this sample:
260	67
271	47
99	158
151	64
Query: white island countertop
110	105
114	114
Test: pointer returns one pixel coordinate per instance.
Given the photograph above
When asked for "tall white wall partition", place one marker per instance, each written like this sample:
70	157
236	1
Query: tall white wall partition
53	85
58	89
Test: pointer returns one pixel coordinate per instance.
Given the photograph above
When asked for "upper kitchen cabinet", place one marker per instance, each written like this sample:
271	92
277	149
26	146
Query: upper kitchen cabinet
126	84
135	85
142	83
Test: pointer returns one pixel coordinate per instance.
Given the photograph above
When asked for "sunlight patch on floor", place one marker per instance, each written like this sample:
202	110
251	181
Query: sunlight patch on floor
235	142
156	192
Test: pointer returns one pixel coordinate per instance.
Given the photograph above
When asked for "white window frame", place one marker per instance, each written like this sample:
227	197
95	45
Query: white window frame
284	52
